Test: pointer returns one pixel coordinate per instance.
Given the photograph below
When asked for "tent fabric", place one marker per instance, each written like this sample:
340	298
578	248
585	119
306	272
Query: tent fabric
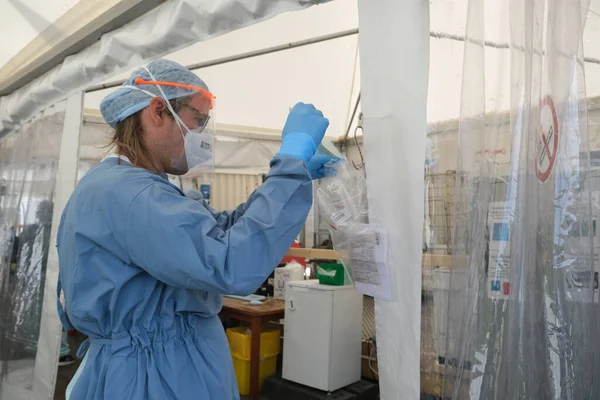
24	20
244	155
259	91
237	149
326	74
167	28
447	25
395	122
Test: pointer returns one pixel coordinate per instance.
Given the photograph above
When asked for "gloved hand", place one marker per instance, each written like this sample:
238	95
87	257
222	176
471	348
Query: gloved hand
303	132
316	165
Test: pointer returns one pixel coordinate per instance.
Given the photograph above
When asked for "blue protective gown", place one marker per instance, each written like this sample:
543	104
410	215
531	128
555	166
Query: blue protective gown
143	269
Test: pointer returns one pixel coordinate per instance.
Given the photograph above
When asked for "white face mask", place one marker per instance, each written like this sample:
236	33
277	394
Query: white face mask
198	149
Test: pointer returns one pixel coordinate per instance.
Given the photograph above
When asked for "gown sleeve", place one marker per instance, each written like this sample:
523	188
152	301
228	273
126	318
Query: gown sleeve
224	219
178	241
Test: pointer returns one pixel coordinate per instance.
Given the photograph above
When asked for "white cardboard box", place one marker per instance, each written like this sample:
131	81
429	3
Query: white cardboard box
291	272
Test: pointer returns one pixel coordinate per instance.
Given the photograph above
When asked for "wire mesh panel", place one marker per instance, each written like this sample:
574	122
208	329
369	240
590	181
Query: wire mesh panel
439	201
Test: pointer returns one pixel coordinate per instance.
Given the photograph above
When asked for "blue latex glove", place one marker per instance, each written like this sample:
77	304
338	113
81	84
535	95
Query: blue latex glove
316	165
303	132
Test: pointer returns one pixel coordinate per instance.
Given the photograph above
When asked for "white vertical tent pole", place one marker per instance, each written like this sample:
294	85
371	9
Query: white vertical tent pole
394	64
46	362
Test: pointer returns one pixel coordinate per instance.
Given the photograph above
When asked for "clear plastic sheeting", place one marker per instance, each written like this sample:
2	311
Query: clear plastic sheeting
28	166
447	19
520	317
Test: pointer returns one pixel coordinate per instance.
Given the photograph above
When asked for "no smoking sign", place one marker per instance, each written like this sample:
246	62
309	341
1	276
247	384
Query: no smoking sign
547	140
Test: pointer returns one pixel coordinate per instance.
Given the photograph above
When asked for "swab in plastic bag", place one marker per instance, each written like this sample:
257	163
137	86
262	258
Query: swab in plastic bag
361	247
342	195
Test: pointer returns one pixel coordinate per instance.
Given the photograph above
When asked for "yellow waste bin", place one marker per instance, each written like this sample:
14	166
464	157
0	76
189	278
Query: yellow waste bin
240	345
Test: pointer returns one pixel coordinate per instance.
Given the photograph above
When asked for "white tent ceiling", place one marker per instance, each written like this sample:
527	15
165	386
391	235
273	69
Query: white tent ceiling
254	92
328	74
258	91
24	20
87	45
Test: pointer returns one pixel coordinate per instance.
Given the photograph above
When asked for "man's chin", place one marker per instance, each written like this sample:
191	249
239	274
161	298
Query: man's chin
178	171
179	167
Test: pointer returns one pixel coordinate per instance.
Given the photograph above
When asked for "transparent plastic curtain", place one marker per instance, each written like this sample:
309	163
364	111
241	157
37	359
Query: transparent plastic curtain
447	26
520	320
28	166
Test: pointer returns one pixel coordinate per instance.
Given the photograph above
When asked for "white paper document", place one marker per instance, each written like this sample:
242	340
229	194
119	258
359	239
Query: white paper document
367	257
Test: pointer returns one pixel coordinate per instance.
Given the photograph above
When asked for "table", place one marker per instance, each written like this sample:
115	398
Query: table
255	315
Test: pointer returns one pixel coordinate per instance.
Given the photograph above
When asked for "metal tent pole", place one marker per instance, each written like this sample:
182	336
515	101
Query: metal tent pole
247	55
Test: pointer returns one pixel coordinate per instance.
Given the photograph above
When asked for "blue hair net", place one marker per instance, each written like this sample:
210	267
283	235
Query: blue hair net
127	101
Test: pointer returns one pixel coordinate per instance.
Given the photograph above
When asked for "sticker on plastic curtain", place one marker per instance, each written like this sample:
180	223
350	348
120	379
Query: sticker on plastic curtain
367	257
577	280
547	140
498	275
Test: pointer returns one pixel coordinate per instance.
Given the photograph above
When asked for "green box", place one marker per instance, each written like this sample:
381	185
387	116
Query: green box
330	274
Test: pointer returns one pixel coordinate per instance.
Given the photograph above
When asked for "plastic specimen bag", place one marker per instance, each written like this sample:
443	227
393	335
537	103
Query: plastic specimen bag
522	306
361	246
343	195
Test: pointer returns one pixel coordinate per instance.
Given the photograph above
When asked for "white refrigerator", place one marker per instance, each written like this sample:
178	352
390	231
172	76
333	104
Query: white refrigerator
322	335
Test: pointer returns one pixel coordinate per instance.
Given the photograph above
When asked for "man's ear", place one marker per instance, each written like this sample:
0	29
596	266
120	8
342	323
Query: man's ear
158	111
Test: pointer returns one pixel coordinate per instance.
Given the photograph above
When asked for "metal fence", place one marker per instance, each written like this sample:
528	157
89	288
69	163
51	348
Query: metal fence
439	202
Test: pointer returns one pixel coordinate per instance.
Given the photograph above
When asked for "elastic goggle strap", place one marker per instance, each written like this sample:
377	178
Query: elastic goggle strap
175	115
141	90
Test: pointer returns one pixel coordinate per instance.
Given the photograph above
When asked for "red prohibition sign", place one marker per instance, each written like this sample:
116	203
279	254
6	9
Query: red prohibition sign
547	141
